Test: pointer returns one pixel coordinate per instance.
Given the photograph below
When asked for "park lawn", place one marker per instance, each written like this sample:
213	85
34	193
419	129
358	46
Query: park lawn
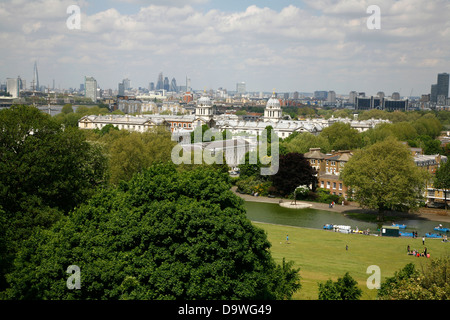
322	255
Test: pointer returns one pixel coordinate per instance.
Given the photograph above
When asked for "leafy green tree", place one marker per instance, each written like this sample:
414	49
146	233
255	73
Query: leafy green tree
165	234
294	171
131	152
344	288
302	142
45	172
430	283
384	177
67	108
442	179
341	136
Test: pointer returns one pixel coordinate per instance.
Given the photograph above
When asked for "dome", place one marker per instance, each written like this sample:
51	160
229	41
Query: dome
204	101
273	103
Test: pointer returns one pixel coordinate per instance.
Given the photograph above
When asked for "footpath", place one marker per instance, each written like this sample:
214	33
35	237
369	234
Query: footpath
423	213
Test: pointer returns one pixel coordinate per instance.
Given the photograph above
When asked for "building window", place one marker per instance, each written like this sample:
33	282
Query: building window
334	185
340	186
328	184
322	184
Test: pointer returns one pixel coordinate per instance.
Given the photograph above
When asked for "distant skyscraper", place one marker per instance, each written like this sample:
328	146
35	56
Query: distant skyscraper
433	94
160	82
240	88
121	89
12	87
166	84
173	85
90	88
35	84
331	96
352	97
151	86
188	84
442	84
126	84
439	91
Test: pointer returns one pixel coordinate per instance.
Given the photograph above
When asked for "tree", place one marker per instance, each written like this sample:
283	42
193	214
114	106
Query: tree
45	172
294	171
39	158
131	152
165	234
442	179
302	142
430	283
344	288
67	108
384	177
341	136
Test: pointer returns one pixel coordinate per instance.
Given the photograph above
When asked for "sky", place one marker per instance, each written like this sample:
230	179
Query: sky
270	45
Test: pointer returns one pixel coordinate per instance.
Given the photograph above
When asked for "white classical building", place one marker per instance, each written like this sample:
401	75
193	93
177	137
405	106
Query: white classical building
182	125
273	112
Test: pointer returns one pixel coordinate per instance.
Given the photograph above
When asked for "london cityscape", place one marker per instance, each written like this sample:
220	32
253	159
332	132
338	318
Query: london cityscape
216	151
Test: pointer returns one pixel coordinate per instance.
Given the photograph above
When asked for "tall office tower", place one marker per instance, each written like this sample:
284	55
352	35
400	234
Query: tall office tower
126	84
442	84
121	89
240	88
352	97
331	97
160	83
151	86
433	94
12	87
166	84
35	83
188	84
173	85
90	88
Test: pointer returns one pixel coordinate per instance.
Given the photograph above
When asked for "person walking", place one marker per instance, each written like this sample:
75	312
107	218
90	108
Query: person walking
423	240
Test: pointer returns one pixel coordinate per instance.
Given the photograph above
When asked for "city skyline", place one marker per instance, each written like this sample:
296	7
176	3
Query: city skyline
285	46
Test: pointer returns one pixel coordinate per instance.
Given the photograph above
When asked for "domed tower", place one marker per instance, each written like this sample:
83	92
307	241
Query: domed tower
273	111
204	109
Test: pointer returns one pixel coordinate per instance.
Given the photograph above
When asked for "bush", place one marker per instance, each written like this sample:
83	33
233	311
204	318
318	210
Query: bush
344	288
251	185
324	196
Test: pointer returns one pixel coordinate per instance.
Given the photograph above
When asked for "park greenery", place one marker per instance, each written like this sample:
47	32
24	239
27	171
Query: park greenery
140	227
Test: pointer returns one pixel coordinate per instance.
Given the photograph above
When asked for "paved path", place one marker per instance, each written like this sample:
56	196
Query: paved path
434	215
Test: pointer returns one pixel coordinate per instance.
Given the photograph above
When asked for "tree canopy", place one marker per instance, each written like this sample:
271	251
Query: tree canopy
165	234
45	172
384	177
294	171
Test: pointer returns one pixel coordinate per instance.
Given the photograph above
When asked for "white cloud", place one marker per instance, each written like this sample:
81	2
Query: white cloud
295	48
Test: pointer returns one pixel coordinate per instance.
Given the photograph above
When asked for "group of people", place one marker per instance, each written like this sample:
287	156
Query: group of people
416	253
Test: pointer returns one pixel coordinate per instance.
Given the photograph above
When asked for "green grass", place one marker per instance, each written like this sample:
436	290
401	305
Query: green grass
321	255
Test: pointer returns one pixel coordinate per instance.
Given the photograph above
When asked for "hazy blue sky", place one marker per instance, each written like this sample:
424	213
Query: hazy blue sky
283	45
